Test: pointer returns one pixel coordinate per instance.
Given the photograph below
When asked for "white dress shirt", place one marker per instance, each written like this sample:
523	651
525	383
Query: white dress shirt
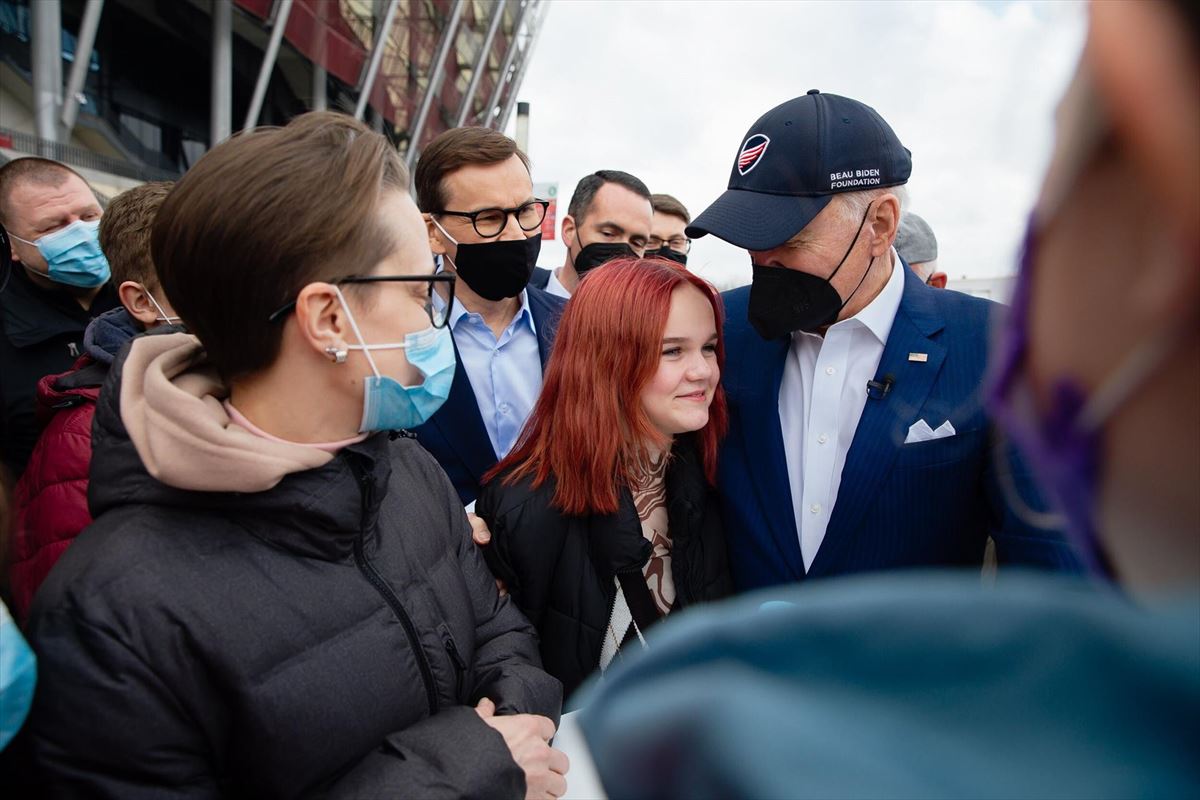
554	286
821	399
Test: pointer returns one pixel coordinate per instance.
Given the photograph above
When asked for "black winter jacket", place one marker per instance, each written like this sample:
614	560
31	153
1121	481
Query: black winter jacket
561	569
326	637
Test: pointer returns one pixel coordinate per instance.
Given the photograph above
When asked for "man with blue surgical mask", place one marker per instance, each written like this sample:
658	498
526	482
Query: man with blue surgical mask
57	282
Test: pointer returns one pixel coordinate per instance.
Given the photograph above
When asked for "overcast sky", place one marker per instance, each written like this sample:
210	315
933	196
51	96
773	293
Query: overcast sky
666	90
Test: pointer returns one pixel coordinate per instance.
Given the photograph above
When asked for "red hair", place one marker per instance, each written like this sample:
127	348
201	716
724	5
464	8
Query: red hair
588	429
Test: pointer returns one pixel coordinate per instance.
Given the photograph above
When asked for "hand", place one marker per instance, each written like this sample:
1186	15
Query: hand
528	739
482	537
479	530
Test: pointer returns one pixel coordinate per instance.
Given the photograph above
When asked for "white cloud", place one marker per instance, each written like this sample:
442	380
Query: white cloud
667	89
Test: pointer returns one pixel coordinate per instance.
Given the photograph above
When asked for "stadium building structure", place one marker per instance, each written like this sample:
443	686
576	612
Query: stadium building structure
127	91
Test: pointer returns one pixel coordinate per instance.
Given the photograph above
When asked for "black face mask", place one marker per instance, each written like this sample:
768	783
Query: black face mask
497	270
666	252
597	253
784	300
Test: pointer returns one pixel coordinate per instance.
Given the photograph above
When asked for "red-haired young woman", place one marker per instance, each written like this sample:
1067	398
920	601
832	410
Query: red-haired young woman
603	517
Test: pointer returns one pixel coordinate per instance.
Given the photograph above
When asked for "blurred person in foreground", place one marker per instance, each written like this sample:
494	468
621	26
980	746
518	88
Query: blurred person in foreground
50	500
279	598
597	548
917	245
931	685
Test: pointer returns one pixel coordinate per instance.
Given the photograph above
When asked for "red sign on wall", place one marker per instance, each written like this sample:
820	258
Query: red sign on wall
548	191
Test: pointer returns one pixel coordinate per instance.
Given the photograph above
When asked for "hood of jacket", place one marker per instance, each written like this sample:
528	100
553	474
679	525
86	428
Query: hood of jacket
108	333
162	437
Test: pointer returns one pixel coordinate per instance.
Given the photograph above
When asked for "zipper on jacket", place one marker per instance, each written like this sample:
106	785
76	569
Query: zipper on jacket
460	666
376	580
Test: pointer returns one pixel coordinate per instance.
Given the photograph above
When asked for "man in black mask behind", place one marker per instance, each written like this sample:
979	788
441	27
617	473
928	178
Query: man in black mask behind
474	189
609	217
852	386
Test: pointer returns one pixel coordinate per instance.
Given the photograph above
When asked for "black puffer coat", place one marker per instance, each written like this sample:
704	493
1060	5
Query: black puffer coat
561	569
326	637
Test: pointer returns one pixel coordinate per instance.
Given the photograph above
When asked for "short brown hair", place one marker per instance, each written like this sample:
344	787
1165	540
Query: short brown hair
666	204
453	150
125	233
264	214
31	169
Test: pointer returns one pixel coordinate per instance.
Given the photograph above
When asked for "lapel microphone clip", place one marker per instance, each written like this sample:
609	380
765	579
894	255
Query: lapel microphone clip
877	390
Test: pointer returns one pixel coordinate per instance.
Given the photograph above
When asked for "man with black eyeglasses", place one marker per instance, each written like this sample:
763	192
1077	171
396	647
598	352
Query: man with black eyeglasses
667	236
474	189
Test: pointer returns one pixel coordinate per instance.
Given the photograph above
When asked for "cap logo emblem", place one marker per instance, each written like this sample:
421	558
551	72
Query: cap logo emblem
751	153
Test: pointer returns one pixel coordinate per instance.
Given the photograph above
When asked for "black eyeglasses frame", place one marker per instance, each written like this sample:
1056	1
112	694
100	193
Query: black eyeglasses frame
433	279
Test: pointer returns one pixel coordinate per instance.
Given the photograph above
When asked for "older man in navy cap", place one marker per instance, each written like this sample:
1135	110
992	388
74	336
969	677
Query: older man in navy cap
857	439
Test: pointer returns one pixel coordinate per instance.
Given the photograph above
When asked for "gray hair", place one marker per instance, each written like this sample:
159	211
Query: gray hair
854	204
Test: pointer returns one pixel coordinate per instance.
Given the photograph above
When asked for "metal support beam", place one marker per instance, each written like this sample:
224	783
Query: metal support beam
367	84
438	70
489	118
535	22
220	115
79	69
464	110
320	88
282	10
45	50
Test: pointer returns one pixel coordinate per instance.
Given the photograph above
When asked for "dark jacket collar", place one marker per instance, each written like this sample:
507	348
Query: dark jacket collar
108	333
32	315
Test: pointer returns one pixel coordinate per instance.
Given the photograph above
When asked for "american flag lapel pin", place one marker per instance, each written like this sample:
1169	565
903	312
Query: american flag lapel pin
918	357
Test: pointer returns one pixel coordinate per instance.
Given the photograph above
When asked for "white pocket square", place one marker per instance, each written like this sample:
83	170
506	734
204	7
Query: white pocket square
921	432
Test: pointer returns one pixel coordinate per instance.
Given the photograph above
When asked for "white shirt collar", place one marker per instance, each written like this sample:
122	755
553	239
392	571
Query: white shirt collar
554	286
880	313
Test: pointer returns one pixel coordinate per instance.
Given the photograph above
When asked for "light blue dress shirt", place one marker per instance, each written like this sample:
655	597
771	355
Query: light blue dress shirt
505	373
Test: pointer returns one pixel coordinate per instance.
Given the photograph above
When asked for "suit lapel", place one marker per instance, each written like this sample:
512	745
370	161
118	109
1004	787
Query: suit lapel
545	322
884	423
764	446
462	427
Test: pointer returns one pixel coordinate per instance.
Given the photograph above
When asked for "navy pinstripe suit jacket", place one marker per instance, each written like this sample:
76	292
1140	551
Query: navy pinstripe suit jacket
917	505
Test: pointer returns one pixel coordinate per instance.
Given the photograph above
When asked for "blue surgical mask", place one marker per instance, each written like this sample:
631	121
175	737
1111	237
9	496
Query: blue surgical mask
73	254
387	405
18	675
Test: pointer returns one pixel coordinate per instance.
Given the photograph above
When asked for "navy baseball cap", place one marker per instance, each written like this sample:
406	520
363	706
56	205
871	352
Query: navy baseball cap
792	162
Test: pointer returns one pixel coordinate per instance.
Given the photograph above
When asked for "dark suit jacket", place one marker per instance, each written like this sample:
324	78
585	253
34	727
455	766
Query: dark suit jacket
540	278
899	505
455	435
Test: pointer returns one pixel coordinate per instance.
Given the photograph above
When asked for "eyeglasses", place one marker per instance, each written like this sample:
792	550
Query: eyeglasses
437	317
677	243
490	222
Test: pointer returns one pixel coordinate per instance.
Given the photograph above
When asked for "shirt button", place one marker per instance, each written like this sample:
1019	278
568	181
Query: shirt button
815	508
822	439
830	370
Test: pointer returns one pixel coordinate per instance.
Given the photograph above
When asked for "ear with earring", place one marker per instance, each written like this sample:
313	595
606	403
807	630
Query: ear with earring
336	354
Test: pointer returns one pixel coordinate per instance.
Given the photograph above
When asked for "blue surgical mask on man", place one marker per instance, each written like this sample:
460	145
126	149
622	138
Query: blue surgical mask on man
73	255
388	405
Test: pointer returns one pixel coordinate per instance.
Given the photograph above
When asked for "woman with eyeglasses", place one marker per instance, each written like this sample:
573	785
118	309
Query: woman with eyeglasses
278	598
603	518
